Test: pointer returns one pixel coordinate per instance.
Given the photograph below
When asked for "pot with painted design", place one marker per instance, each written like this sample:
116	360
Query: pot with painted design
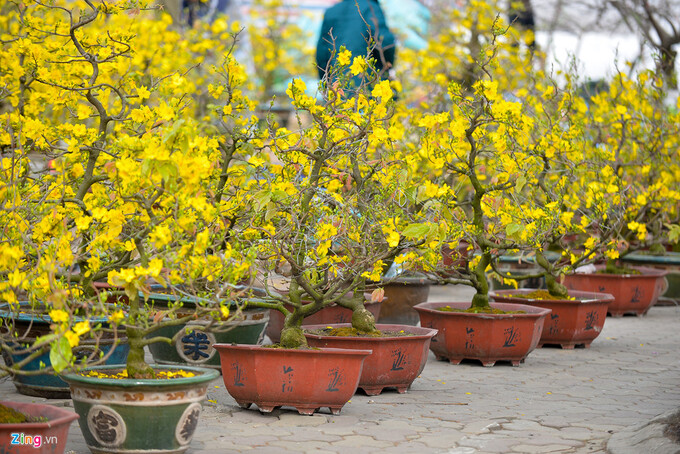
123	415
573	321
304	379
399	353
509	333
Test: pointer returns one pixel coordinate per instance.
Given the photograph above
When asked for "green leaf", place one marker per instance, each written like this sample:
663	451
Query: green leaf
519	183
416	231
513	229
271	211
673	232
61	354
261	199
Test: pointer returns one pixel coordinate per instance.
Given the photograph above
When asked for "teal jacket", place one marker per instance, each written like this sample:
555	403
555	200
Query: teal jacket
343	23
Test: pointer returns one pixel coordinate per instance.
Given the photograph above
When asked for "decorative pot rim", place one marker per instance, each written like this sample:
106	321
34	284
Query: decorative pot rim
587	297
310	351
172	298
415	332
531	259
7	312
406	280
667	258
64	416
647	273
531	311
206	375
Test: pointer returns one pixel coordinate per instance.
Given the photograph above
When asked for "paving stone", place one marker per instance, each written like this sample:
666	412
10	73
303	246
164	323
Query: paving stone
489	443
359	441
441	440
297	420
531	449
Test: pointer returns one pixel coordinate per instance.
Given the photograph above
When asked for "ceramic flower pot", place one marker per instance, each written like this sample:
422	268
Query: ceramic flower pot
521	265
396	360
633	293
139	415
401	295
485	337
304	379
571	322
327	315
194	346
670	262
49	385
36	437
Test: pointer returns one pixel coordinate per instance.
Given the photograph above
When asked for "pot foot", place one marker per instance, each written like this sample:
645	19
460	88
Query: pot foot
266	408
516	363
401	389
372	390
335	410
244	405
307	411
454	361
490	363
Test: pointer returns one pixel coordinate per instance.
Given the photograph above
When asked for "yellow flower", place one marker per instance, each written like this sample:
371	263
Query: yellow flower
383	90
59	315
344	57
73	338
117	316
358	65
82	327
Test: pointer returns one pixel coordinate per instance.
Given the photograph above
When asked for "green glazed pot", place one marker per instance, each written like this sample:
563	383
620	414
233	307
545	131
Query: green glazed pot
192	342
139	416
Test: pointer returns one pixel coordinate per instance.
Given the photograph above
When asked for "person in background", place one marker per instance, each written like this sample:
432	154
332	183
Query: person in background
522	16
359	26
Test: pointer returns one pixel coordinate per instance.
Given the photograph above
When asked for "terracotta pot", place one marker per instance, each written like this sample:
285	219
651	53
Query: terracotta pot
304	379
327	315
633	293
401	295
458	258
571	322
36	437
396	361
485	337
129	416
120	297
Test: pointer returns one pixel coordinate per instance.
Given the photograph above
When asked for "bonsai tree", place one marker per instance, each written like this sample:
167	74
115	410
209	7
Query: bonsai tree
137	189
633	122
503	177
333	205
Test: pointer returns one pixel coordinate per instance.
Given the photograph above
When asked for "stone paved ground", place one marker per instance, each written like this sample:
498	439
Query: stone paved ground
558	401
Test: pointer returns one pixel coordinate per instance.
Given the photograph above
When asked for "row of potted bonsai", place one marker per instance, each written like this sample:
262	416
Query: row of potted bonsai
162	175
339	361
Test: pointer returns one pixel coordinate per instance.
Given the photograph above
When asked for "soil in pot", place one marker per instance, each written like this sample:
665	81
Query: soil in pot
45	432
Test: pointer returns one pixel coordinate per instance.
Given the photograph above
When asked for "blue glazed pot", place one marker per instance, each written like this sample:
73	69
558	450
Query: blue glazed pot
49	385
